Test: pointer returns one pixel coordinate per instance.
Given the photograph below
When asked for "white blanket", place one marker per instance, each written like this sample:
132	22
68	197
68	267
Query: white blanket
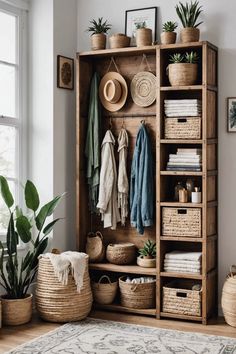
66	261
177	255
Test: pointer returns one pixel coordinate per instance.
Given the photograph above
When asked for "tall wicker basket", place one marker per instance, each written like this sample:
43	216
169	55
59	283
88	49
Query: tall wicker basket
228	300
61	303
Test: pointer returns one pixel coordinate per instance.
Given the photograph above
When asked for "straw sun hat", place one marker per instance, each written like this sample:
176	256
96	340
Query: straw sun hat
143	88
113	91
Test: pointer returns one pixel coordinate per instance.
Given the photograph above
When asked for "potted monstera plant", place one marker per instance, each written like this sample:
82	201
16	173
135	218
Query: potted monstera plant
99	29
188	15
147	255
16	272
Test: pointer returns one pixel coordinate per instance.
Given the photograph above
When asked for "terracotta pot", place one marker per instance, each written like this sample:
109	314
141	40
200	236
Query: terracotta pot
119	40
168	37
189	34
143	37
182	74
146	262
98	41
16	311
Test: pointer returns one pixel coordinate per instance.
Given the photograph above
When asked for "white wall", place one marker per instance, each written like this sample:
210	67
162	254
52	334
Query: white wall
218	28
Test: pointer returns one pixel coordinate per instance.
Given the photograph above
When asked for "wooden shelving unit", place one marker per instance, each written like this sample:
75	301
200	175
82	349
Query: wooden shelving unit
128	60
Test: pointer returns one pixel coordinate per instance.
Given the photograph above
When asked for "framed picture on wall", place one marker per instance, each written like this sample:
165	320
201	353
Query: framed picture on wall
146	17
65	72
231	114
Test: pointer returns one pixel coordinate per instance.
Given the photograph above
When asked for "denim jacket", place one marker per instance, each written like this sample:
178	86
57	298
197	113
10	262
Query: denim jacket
141	183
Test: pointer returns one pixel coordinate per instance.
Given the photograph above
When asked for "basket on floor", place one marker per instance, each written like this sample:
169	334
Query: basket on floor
181	299
61	303
228	300
137	296
104	293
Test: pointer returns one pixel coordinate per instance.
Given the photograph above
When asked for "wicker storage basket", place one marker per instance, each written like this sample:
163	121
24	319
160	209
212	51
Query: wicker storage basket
17	311
119	40
183	128
61	303
104	293
95	247
182	74
181	299
121	253
184	222
228	300
138	296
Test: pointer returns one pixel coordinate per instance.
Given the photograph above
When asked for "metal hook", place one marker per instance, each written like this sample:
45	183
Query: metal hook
123	123
142	121
110	124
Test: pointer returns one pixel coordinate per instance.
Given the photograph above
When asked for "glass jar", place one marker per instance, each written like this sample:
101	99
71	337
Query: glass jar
178	187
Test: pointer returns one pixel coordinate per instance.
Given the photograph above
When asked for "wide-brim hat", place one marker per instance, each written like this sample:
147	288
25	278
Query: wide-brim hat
143	88
113	91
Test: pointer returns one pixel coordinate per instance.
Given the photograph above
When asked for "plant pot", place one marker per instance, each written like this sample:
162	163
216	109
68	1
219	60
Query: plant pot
146	262
16	311
168	37
98	41
182	74
189	34
143	37
119	40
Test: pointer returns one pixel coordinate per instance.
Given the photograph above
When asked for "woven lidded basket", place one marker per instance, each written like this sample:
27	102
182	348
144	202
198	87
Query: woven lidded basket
183	128
228	300
61	303
119	40
184	222
104	293
121	253
95	247
181	299
137	296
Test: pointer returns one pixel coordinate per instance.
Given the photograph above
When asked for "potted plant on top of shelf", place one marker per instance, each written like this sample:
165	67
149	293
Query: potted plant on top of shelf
18	273
143	34
188	15
147	255
168	36
183	69
99	29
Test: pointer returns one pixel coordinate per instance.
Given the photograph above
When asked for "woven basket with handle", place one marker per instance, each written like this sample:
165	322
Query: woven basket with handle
228	300
95	247
121	253
104	293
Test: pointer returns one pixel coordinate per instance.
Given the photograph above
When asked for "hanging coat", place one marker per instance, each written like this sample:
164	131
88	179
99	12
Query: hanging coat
92	148
123	184
107	200
141	183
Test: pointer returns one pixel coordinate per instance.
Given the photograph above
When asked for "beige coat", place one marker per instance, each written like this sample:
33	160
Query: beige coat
107	200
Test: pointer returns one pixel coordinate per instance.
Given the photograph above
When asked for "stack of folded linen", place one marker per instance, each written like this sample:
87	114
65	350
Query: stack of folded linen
183	108
185	160
183	262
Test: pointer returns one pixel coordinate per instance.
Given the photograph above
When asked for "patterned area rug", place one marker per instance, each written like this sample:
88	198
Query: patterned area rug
107	337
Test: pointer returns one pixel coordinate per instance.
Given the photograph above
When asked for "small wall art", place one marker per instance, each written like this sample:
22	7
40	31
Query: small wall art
231	114
65	72
138	18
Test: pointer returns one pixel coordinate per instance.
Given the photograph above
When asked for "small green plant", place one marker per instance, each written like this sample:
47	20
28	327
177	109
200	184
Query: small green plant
140	25
176	58
16	274
148	250
189	13
99	26
191	57
169	26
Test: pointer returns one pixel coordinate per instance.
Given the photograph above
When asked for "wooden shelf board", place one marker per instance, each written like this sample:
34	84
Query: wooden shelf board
118	51
181	275
117	307
181	239
183	45
181	173
181	141
181	88
132	269
181	205
181	317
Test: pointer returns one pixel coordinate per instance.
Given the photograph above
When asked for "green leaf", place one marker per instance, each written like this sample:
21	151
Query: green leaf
18	211
11	237
23	227
5	191
50	226
26	261
46	211
31	196
40	249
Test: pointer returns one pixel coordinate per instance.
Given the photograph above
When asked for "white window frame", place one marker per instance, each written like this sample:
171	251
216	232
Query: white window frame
21	120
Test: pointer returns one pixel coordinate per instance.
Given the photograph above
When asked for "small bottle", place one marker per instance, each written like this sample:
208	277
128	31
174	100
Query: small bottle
178	187
189	187
183	195
196	195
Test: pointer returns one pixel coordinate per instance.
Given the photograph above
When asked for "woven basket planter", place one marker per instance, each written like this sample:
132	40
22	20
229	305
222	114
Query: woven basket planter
168	37
16	311
119	40
182	74
143	37
95	247
189	34
179	299
228	300
183	128
98	41
137	296
61	303
184	222
121	253
104	293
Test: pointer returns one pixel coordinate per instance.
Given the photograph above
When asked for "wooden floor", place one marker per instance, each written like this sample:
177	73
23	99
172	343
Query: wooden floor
11	337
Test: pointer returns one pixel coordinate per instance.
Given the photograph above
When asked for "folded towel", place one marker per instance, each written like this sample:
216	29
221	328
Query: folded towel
192	256
66	261
182	262
177	270
182	267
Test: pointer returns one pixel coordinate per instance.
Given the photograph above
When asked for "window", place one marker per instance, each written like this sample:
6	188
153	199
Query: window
12	103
